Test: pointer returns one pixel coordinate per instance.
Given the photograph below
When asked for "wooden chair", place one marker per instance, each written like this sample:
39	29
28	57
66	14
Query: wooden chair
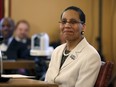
104	74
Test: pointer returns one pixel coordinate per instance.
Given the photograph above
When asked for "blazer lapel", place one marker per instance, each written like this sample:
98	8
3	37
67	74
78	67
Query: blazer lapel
59	56
74	53
69	59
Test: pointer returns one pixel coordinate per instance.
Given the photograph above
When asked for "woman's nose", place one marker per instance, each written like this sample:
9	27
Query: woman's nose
67	24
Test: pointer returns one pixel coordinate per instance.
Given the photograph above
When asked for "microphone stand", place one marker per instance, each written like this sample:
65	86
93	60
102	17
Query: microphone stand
1	65
2	79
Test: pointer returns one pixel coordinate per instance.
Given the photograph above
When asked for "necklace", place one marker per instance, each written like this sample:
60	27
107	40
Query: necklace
66	52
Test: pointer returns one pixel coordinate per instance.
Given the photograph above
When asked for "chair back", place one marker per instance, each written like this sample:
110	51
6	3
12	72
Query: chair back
104	74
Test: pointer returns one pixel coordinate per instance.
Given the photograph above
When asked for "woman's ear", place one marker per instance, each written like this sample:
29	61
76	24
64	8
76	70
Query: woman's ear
83	27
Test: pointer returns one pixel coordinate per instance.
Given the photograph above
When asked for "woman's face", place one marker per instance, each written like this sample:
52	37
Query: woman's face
71	26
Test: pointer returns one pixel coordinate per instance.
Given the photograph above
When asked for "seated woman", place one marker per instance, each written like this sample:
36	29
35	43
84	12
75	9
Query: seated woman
75	63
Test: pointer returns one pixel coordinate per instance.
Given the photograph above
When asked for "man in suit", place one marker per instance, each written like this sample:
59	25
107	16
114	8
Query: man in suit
10	47
21	34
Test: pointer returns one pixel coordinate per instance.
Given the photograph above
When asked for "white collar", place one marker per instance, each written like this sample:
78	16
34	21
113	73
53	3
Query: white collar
20	40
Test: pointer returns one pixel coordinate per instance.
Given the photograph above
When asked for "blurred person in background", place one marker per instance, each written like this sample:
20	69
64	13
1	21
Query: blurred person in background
21	34
11	49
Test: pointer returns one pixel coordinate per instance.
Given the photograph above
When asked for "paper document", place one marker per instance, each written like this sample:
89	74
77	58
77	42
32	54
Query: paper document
17	76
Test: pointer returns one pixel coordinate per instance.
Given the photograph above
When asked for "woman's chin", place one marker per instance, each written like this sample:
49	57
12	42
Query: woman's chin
68	38
68	33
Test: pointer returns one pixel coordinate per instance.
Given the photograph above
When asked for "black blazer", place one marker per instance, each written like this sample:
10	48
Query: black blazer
16	50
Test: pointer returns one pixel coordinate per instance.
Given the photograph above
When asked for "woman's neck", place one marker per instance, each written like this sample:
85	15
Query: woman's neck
73	43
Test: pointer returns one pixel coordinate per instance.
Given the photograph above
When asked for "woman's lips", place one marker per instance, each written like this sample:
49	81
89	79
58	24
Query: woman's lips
67	31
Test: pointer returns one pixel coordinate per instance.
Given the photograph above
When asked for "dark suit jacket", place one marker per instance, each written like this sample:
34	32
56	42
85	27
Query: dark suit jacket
28	43
16	50
26	52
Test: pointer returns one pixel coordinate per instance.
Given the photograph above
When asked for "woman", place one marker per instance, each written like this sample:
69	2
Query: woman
75	63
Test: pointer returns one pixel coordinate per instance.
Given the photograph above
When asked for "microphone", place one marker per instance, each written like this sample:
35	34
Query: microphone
2	79
1	65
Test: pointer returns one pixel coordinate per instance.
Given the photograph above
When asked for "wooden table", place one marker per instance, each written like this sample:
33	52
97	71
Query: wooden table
26	83
12	64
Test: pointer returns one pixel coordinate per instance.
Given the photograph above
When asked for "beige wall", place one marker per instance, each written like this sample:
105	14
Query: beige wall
109	31
44	15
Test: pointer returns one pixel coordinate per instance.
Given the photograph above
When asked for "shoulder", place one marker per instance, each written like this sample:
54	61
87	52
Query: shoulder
91	50
17	44
58	51
59	48
92	57
88	51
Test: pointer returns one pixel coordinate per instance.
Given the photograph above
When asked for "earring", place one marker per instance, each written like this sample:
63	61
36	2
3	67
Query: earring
82	32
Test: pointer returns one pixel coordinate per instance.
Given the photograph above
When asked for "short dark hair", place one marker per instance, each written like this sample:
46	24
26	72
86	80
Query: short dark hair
81	13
